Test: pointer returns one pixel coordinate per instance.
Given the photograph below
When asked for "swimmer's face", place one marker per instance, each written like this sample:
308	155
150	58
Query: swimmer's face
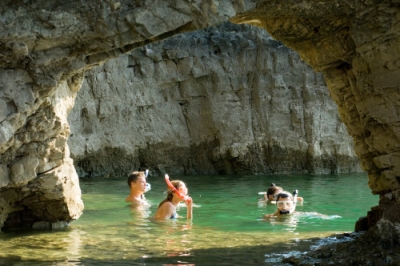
273	197
140	183
183	189
284	204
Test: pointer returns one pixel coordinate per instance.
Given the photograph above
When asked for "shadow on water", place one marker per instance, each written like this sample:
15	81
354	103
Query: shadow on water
254	255
226	229
263	254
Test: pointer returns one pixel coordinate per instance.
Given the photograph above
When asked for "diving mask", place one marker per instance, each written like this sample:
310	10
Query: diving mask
286	206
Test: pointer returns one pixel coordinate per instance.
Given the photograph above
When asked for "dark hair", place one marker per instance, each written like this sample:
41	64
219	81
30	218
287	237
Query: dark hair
134	176
273	189
284	194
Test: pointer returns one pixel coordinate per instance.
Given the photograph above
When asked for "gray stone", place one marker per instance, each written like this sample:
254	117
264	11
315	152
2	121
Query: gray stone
4	177
41	225
23	170
192	99
6	132
354	43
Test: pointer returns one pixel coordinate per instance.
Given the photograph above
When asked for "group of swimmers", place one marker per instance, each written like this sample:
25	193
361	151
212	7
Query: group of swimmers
285	201
178	192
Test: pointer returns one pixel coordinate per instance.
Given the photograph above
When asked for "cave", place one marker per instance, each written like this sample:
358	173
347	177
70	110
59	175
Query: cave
47	47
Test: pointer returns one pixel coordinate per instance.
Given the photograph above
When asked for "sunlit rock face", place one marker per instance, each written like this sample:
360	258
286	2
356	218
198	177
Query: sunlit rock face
228	99
356	46
45	48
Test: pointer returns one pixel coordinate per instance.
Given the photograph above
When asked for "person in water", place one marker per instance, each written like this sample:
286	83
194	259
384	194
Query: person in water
285	204
167	207
273	192
137	185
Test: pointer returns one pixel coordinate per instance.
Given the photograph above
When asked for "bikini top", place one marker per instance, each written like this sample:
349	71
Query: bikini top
174	215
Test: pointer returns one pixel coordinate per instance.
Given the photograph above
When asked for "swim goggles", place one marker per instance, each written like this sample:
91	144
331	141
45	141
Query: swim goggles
284	204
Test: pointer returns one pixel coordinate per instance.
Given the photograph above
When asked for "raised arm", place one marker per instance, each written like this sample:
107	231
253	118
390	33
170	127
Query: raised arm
189	207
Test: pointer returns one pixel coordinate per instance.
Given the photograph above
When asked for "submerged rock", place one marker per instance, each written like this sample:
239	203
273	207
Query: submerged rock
349	249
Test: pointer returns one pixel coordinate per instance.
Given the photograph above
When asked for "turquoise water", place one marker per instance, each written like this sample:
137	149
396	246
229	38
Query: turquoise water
226	228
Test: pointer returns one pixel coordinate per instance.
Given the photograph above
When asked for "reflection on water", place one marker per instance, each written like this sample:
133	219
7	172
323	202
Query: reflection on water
226	228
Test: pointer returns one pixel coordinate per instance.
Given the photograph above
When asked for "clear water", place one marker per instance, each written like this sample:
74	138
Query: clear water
226	228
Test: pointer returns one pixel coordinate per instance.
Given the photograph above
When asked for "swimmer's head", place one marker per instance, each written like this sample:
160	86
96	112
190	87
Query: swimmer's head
180	186
285	203
272	191
137	180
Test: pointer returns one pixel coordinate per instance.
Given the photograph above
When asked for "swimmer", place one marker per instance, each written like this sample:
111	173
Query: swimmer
285	204
177	192
138	186
272	193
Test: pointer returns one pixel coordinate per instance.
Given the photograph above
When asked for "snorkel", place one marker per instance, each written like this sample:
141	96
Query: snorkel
171	186
293	202
148	186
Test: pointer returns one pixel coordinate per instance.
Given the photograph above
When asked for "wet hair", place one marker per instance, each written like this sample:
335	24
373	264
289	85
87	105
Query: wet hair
273	189
134	176
284	194
176	184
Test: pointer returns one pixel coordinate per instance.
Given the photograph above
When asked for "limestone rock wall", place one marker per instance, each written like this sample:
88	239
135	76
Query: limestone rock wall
45	46
228	99
357	49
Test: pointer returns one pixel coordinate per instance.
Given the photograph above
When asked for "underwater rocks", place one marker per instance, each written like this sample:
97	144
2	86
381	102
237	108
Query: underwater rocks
349	249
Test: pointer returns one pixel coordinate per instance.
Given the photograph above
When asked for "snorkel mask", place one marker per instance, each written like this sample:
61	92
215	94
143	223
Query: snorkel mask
148	186
171	186
288	205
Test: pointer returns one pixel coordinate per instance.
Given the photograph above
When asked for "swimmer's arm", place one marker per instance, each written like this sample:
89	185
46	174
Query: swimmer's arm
300	199
189	207
267	216
165	211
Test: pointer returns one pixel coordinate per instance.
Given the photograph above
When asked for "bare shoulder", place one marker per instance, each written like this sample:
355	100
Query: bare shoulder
132	200
165	211
167	205
128	199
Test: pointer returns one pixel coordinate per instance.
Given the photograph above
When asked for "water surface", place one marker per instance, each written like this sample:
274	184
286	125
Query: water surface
227	228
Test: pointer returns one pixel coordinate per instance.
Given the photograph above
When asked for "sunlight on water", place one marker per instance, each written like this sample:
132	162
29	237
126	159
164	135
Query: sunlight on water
226	229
